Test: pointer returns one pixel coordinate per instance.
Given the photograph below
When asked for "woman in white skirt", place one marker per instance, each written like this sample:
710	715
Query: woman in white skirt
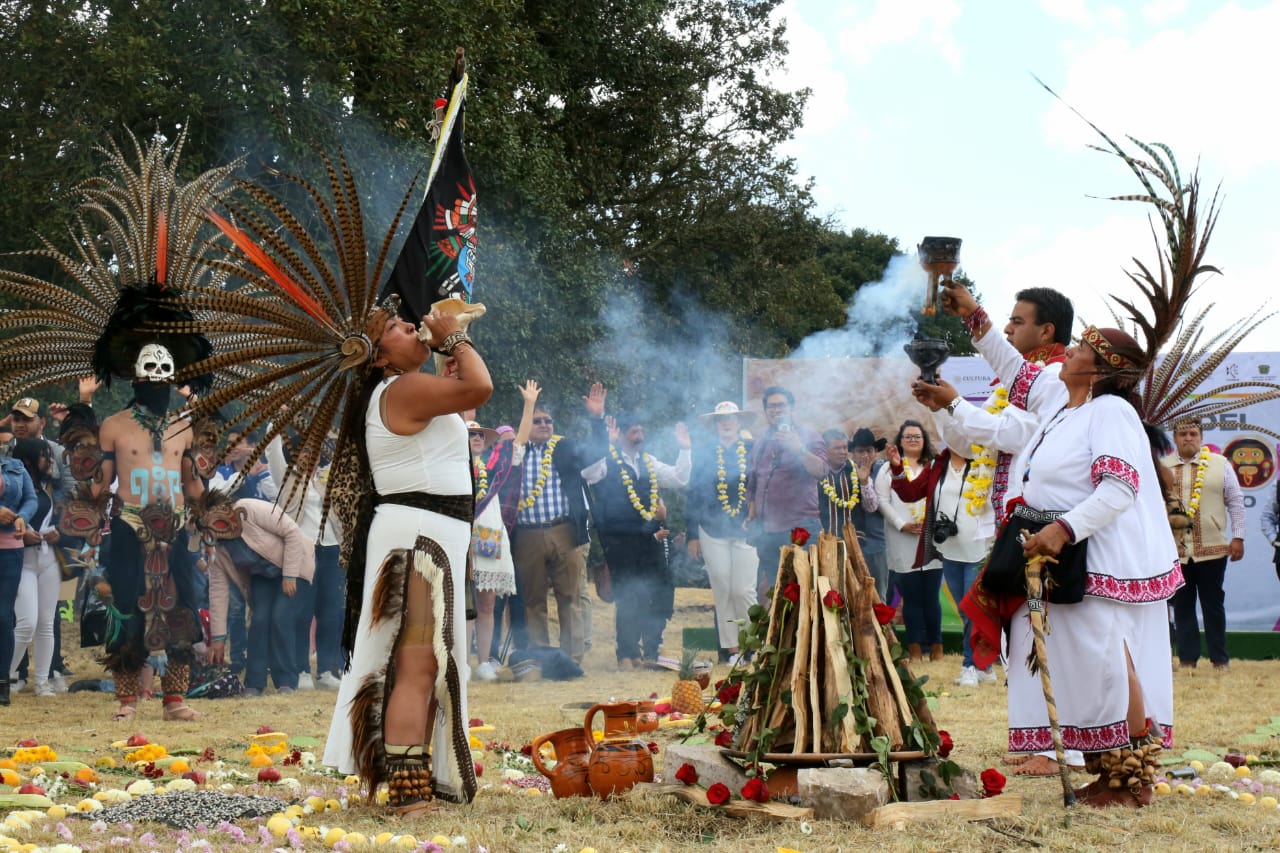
401	714
493	573
1108	654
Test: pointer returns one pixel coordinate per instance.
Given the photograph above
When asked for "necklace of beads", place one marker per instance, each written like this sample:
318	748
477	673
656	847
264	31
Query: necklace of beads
629	484
977	486
855	494
722	486
544	471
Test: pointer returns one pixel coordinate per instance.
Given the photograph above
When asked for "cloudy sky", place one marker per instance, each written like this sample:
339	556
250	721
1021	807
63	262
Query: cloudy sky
924	119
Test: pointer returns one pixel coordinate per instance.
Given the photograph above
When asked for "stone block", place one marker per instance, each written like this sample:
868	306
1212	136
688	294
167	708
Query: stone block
966	784
842	793
710	763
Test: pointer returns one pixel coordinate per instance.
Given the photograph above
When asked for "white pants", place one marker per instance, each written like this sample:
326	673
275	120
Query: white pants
731	568
35	611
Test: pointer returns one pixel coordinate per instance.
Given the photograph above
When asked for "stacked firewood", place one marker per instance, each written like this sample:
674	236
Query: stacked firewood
806	682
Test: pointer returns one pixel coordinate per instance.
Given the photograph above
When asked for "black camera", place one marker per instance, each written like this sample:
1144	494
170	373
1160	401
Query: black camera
943	528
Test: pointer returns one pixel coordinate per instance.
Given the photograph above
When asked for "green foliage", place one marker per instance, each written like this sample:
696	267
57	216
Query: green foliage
638	226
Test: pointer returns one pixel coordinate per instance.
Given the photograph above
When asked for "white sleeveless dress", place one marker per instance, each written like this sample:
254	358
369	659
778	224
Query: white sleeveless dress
435	460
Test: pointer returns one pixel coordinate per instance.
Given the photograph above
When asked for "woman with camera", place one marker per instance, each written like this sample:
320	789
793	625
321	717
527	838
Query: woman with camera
918	574
958	527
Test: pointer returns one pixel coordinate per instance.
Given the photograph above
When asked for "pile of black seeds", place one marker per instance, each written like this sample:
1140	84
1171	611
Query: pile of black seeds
189	809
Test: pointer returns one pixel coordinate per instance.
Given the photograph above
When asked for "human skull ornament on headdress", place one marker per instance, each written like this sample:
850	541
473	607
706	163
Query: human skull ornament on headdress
154	364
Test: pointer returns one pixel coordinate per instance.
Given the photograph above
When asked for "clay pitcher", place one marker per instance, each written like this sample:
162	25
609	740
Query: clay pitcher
646	717
617	765
619	720
573	752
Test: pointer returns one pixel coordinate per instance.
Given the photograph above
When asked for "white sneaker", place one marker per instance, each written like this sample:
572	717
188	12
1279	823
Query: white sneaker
45	688
59	682
968	677
305	682
486	672
17	685
328	681
986	676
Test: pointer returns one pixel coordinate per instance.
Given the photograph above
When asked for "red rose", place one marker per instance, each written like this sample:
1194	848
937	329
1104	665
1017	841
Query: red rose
687	774
954	797
527	749
756	789
653	747
791	592
833	599
945	744
885	613
479	768
718	794
724	738
992	782
729	693
799	536
475	721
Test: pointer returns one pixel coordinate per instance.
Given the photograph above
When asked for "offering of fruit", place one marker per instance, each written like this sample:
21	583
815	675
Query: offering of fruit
686	694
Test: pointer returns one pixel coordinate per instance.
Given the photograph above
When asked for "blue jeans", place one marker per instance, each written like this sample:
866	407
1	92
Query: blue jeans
10	578
304	606
921	609
272	633
959	577
330	584
237	634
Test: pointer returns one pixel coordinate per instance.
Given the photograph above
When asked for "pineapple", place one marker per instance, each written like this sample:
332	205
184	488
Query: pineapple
686	695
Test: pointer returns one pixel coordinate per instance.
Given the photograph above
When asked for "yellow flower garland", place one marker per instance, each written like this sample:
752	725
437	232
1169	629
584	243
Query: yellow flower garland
1202	462
829	489
544	471
482	480
722	486
917	508
629	484
977	485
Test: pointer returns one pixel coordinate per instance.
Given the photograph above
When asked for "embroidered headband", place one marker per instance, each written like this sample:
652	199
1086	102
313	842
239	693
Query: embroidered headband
1098	342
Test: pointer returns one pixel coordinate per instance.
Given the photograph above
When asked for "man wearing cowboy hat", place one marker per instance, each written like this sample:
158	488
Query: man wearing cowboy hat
716	520
864	450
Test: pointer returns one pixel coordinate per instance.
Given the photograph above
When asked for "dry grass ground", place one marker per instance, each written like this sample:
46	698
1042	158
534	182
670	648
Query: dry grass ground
1214	712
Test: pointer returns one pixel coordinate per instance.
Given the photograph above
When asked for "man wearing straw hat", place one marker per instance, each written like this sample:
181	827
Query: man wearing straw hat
716	520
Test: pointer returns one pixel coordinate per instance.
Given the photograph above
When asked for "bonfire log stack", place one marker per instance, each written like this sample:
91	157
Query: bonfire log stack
807	654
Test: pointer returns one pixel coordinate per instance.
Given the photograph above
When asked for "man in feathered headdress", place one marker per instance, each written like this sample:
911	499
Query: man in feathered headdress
124	314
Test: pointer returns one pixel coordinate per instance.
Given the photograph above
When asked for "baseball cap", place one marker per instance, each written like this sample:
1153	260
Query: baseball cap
28	407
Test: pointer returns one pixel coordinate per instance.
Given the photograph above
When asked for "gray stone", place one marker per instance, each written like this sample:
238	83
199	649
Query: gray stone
710	763
842	793
966	784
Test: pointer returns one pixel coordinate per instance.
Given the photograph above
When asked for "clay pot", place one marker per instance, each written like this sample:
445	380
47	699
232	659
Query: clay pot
619	720
573	752
646	717
617	765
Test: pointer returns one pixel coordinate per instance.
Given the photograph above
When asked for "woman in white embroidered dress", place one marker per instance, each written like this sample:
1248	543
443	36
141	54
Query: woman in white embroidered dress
493	573
1109	654
403	703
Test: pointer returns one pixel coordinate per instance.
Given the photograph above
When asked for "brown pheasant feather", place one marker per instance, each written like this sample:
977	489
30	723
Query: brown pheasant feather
134	225
1170	388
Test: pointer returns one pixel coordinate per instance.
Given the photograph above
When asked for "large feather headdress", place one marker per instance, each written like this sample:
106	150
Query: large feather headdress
1168	384
138	244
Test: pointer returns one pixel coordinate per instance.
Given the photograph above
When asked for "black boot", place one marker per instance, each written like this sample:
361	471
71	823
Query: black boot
4	691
